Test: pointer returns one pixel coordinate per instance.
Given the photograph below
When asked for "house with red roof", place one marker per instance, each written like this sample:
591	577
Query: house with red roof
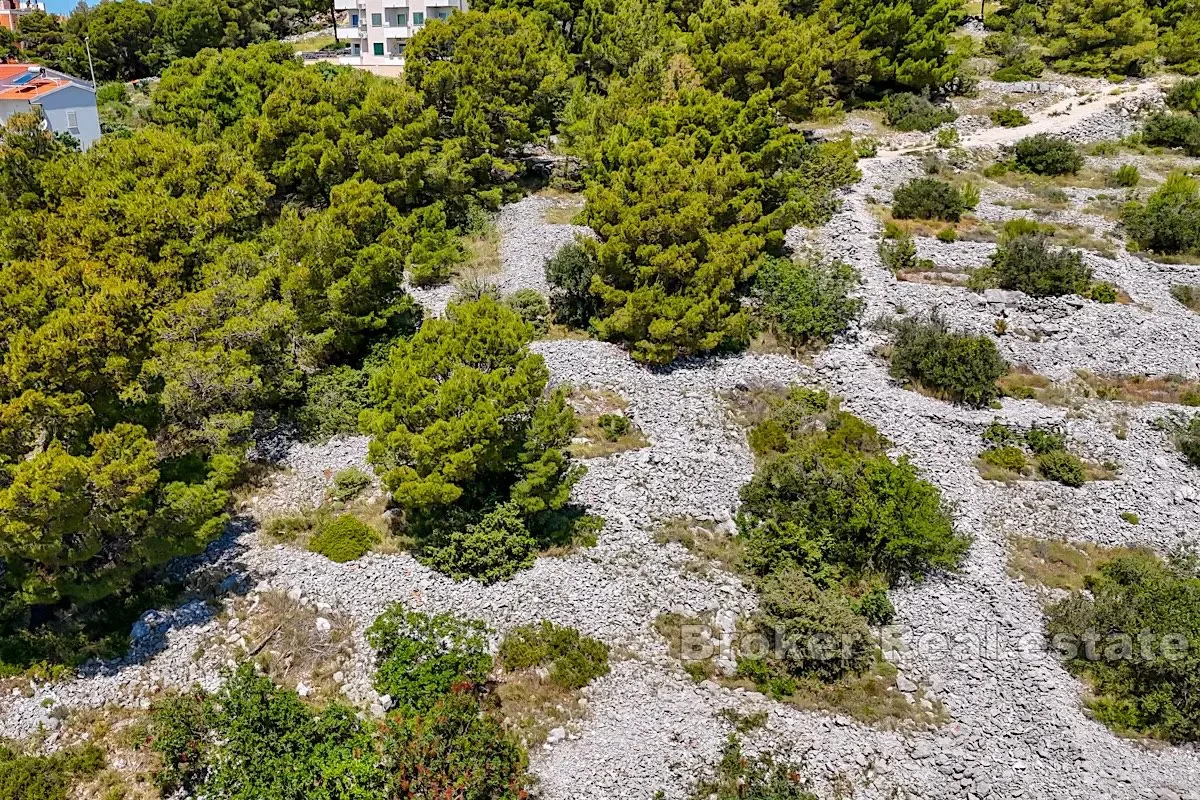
66	104
11	11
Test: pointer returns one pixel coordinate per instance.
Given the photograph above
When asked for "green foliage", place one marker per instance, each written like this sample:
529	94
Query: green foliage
1111	37
1046	154
533	309
1186	294
569	272
807	301
1185	435
574	660
740	777
957	366
1101	292
1169	220
1045	440
468	443
1125	176
1061	466
911	45
1185	96
910	112
947	234
1009	117
614	426
1134	599
1173	130
875	607
1005	457
928	198
1130	517
333	400
421	657
900	254
27	777
1027	263
343	538
349	484
946	137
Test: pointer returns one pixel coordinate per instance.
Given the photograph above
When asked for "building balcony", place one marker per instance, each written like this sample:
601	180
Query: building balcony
347	5
350	32
397	32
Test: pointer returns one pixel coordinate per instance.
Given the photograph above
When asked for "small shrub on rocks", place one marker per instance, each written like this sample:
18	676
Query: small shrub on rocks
1136	598
614	426
1102	292
493	549
420	658
910	112
928	198
946	137
344	538
1063	467
1130	517
1185	96
1027	263
761	777
569	272
52	777
349	484
1044	154
899	254
875	606
1045	440
1181	131
807	301
1007	457
947	234
1009	117
1185	435
957	366
1169	220
574	660
531	307
1187	295
1125	176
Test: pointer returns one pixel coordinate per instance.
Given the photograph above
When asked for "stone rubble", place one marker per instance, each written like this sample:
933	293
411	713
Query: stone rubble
971	640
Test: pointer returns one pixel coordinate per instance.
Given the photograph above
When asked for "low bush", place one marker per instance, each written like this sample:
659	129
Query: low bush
1061	466
1169	221
875	606
1125	176
419	658
947	234
1027	263
1101	292
910	112
343	538
532	307
1009	117
1005	457
53	777
1045	440
569	272
349	484
493	549
807	301
1131	600
1185	96
573	660
946	138
614	426
899	254
331	404
1187	295
1012	74
1180	131
928	198
957	366
1044	154
1185	435
761	777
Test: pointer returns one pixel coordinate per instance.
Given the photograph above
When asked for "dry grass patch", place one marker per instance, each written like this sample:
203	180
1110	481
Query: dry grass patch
968	228
938	277
532	705
1057	563
750	405
1136	389
703	540
1022	383
121	734
483	253
690	640
604	427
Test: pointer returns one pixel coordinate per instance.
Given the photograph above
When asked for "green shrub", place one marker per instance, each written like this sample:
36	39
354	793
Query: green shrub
1169	220
1027	263
998	434
1185	96
1045	440
1102	292
1012	74
1005	457
910	112
289	528
1044	154
614	426
344	538
493	549
1185	435
574	660
898	255
970	194
349	484
947	234
569	273
25	777
875	606
1141	688
1180	131
1061	466
179	726
1125	176
1187	295
1130	517
957	366
807	301
1009	117
420	657
333	399
531	307
928	198
760	777
946	137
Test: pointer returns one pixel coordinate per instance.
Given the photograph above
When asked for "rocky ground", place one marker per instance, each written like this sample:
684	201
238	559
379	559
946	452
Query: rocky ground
970	640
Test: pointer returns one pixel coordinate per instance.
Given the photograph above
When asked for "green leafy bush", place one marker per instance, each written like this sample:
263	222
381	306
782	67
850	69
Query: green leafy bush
421	657
1103	634
910	112
1009	117
344	538
574	660
1125	176
957	366
947	234
332	402
1185	96
1101	292
1005	457
26	777
1185	435
762	777
493	549
875	606
1027	263
928	198
532	307
349	484
1045	154
807	301
1173	130
1169	220
1061	466
569	272
1045	440
899	254
614	426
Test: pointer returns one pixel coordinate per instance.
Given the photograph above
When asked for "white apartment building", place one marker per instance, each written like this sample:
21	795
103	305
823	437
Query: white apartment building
378	30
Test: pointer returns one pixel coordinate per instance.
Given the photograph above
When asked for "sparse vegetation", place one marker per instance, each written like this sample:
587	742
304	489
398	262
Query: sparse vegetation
1057	563
349	484
762	777
343	538
573	660
928	198
1045	154
955	366
1010	452
1009	117
1169	221
910	112
1187	294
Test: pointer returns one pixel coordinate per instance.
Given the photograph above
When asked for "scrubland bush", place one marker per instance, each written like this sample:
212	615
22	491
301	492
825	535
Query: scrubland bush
1045	154
928	198
958	366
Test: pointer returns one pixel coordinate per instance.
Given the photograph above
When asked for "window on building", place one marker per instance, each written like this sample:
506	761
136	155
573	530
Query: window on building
443	15
378	48
418	18
401	17
72	119
376	20
354	20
